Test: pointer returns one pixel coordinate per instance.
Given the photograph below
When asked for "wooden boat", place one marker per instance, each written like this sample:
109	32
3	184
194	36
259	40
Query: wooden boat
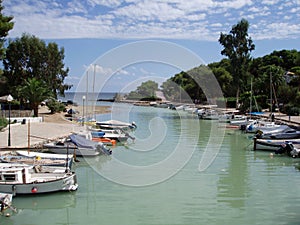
78	145
271	144
37	160
21	179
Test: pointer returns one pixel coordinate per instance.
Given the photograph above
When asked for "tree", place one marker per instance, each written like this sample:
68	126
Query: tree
34	91
237	47
6	25
30	57
145	91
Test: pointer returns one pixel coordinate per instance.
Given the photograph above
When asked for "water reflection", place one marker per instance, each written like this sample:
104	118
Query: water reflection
233	187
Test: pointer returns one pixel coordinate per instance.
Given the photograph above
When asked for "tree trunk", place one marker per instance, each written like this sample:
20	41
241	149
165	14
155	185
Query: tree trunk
237	104
36	111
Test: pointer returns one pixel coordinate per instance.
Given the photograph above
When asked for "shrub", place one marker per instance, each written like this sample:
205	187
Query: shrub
55	106
3	122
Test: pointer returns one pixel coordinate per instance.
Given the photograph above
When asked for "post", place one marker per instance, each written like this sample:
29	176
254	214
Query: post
28	134
83	99
9	99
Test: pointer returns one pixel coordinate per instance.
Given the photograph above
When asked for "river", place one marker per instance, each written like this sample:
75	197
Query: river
173	173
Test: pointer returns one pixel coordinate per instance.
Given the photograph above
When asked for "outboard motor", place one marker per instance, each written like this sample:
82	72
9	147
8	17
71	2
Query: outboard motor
281	150
243	127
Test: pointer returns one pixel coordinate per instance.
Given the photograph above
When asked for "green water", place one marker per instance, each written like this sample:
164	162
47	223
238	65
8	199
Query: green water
156	180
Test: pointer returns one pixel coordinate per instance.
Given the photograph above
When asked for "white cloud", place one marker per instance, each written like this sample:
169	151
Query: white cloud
194	19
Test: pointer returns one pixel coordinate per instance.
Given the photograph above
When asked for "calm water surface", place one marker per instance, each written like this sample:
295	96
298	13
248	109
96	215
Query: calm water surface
239	187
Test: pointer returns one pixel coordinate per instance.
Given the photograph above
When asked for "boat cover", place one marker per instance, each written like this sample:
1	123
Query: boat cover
82	142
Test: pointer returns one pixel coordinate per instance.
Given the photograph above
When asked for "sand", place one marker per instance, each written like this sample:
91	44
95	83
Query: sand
54	126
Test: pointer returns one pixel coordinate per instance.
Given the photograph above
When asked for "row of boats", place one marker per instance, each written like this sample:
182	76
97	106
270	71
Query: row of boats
50	169
267	134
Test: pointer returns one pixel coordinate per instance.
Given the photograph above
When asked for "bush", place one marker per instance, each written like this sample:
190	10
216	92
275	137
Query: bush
291	110
55	106
3	122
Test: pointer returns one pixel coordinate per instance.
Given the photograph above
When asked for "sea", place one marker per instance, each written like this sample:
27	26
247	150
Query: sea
178	170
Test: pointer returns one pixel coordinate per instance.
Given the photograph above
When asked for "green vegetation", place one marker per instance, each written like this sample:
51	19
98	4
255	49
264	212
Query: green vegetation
34	91
30	57
277	73
55	106
144	92
3	122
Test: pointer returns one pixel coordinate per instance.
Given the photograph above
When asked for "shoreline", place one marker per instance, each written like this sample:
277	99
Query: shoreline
53	127
56	126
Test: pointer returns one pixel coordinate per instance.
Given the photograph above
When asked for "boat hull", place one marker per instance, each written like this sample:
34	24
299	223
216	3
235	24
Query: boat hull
271	144
77	151
67	183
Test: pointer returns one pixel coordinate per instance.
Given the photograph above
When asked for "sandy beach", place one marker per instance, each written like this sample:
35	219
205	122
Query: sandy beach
53	127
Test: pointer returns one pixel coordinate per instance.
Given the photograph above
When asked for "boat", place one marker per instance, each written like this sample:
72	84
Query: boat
6	202
19	179
288	133
43	155
78	145
290	149
115	124
104	140
264	126
37	160
272	144
114	134
208	115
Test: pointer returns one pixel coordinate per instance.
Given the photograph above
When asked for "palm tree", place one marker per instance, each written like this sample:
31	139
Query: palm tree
34	91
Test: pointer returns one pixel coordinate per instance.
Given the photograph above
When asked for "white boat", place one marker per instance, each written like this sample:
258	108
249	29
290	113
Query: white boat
190	109
288	133
264	126
78	145
209	115
21	179
38	160
271	144
115	134
32	154
116	124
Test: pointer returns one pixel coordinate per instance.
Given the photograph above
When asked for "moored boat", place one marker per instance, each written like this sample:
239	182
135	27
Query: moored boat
116	124
20	179
289	149
37	160
271	144
78	145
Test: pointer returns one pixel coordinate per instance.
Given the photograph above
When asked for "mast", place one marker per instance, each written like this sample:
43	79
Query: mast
251	99
87	91
271	100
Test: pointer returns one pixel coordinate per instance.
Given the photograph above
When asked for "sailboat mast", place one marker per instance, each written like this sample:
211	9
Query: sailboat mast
251	98
271	94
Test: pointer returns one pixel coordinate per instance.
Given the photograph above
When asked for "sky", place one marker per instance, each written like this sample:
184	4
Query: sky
114	45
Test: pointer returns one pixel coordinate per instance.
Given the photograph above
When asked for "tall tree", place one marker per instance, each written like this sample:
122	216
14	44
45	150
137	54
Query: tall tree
237	47
34	91
6	25
30	57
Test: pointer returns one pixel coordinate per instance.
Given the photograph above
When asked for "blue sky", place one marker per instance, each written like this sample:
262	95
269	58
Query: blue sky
90	29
